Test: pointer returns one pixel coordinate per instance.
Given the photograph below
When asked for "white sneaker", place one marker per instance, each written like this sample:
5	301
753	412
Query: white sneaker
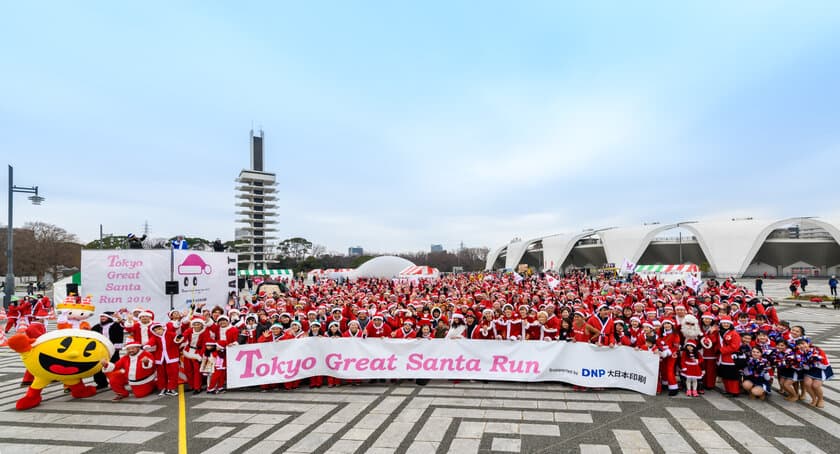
162	393
171	392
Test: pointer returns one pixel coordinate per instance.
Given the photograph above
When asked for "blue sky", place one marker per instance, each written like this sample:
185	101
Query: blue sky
394	125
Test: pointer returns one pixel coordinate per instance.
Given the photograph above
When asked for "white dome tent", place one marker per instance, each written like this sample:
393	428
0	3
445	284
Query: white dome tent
385	267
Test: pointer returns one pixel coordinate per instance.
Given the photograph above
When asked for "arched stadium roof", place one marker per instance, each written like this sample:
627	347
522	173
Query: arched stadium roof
729	245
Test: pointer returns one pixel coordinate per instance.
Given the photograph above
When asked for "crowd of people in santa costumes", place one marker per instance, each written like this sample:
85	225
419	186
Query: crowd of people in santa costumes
26	310
718	331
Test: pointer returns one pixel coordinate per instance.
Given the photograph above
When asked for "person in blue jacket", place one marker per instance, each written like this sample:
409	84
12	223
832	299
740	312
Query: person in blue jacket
180	243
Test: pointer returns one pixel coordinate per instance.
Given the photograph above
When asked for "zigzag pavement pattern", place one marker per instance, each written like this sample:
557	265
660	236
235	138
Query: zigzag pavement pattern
468	417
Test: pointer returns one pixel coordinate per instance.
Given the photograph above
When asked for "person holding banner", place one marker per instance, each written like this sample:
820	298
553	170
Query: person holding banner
378	328
333	332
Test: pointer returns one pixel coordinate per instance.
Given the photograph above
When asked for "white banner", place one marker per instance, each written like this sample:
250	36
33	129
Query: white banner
126	278
130	278
528	361
204	277
627	267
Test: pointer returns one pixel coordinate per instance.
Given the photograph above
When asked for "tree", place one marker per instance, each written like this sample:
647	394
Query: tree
318	250
295	248
41	248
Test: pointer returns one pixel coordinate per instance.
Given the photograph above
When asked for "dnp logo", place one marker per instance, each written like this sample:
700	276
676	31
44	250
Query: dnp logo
595	373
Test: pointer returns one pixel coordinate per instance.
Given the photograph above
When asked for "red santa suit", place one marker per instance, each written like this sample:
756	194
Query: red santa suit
217	381
383	330
509	327
225	336
402	333
167	355
605	327
669	346
12	317
691	367
730	342
485	330
710	352
193	343
138	331
137	371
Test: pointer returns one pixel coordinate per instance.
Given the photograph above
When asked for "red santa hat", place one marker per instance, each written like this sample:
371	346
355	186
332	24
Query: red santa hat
649	325
708	315
133	344
197	319
725	318
635	319
154	325
146	313
408	321
691	342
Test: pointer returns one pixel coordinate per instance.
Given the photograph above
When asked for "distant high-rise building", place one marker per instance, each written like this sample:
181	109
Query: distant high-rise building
437	248
256	204
355	251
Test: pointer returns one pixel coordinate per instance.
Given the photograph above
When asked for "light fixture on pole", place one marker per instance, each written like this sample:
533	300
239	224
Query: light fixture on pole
36	200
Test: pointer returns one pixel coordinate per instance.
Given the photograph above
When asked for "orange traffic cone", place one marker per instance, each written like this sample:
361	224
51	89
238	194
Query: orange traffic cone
182	374
3	341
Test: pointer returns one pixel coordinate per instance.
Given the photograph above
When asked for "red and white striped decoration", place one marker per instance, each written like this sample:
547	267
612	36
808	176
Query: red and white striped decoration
416	270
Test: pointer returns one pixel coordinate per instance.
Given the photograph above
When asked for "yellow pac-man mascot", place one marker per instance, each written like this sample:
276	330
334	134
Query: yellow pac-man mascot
64	355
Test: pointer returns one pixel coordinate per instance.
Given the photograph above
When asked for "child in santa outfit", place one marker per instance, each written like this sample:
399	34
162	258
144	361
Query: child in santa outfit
213	368
136	369
691	368
167	355
194	340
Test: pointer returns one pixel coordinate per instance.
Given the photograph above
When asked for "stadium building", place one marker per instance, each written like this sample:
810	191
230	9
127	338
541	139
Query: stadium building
736	247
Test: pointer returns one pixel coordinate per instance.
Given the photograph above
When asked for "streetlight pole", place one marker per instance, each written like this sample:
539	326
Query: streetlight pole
36	200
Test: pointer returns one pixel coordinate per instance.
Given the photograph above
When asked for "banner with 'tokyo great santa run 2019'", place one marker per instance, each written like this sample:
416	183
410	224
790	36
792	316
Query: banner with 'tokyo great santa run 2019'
529	361
130	278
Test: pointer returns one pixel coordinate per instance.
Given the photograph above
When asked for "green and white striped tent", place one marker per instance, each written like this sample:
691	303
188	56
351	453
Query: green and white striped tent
288	274
670	269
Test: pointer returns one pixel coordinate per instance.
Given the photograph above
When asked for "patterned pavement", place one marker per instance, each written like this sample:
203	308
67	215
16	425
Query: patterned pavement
468	417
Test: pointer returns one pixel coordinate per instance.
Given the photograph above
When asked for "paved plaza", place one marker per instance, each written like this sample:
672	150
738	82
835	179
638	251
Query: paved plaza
440	417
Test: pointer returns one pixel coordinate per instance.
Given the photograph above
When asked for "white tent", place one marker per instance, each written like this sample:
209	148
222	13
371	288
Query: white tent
329	273
385	267
669	273
60	289
419	272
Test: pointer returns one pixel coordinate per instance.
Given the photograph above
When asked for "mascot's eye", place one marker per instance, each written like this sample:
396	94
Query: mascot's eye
65	344
91	346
